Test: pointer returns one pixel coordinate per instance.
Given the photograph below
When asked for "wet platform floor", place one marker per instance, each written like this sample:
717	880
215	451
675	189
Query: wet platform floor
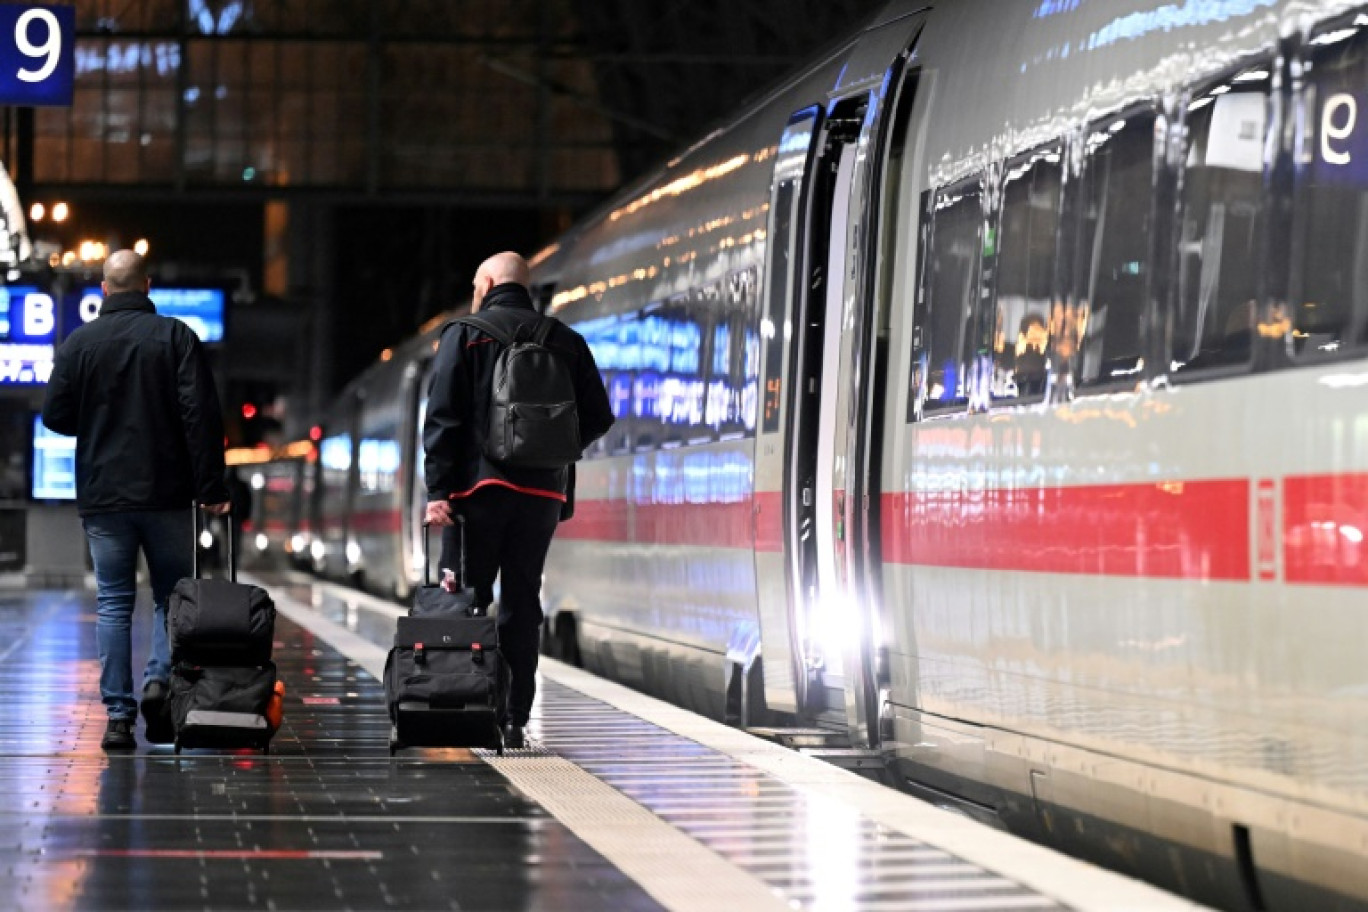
609	809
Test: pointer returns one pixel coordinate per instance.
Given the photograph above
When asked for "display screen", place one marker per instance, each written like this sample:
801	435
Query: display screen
199	308
54	464
28	325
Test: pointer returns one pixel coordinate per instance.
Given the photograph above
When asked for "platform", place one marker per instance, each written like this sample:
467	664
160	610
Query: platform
622	802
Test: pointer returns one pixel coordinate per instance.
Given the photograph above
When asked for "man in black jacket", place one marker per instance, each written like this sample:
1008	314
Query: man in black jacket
510	512
135	390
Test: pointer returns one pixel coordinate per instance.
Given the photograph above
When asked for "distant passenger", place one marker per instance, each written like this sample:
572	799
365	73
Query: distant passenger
135	390
510	511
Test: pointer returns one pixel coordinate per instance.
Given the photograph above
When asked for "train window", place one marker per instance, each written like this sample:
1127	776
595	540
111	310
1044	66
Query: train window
617	352
1329	280
669	392
1218	230
1025	274
734	376
951	286
1098	335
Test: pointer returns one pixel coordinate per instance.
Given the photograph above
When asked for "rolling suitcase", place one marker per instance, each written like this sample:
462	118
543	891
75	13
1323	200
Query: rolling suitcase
222	678
446	683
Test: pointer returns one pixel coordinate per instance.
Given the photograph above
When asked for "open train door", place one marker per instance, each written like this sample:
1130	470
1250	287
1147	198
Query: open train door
819	440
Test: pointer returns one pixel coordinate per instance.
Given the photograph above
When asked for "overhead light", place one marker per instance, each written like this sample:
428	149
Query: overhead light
140	247
37	211
60	212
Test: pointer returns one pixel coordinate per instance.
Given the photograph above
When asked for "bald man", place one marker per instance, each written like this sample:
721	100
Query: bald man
510	511
134	389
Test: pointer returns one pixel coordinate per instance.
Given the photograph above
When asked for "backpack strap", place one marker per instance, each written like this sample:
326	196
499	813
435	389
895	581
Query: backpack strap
544	327
486	325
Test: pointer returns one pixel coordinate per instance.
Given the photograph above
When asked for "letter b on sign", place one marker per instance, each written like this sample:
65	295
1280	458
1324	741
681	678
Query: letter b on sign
39	315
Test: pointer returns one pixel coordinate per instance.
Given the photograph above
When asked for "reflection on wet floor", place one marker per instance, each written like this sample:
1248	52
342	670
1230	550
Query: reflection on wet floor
609	810
326	820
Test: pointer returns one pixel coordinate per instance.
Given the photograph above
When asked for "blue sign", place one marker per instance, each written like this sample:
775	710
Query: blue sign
54	464
28	326
199	308
27	314
37	54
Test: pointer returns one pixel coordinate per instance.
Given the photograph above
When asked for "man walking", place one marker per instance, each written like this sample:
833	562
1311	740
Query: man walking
510	510
135	390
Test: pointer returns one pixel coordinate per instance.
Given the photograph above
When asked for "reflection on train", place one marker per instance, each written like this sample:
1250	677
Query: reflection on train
992	392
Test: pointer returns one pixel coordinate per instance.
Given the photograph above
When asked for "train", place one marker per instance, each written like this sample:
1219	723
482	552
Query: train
992	392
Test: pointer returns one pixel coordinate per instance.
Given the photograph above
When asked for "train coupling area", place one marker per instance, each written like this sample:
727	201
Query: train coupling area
619	802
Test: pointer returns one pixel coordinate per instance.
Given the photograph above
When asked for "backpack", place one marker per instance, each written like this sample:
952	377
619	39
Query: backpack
533	418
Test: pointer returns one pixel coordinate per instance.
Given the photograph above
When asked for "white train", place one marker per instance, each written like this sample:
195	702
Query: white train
994	390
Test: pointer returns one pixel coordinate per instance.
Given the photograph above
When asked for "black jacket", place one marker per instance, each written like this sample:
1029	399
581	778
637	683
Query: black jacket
458	404
135	390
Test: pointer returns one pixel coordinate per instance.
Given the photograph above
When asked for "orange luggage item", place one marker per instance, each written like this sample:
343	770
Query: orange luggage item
275	708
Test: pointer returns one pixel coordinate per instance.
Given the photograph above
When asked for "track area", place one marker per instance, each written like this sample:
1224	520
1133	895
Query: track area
622	802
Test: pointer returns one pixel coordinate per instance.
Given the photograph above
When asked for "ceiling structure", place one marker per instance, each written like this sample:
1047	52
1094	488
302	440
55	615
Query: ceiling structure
505	103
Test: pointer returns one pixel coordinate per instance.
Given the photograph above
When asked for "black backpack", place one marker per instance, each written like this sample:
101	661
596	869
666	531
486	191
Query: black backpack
533	418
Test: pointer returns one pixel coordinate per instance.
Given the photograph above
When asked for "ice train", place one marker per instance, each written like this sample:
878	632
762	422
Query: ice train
993	391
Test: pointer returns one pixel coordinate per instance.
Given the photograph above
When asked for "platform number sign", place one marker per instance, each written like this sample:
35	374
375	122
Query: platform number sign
37	54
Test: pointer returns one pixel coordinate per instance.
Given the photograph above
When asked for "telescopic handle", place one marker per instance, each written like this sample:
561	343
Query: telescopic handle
461	553
194	542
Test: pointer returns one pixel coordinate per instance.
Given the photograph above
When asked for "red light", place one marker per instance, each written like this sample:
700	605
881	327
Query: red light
249	411
315	433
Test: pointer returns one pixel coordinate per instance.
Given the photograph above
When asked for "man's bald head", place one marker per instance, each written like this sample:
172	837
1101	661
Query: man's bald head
497	270
124	271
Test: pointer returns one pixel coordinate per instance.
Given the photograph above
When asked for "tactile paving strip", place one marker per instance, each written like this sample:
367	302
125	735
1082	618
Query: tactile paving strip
815	852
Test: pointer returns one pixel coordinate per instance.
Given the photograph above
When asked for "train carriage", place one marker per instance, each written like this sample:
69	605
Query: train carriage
993	391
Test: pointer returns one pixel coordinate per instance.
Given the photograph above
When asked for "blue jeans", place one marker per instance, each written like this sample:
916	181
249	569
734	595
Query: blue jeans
114	538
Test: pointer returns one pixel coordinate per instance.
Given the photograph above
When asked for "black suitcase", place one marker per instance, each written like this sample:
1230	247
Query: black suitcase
222	677
446	683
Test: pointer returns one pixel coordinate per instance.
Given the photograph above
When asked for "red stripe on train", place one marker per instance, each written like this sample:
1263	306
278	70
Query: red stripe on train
1325	518
377	521
1177	530
719	525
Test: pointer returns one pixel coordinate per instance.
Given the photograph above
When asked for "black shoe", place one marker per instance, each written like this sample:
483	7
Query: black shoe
159	730
119	735
513	736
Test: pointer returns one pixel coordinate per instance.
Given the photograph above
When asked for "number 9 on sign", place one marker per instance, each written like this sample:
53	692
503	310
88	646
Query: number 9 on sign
37	56
50	50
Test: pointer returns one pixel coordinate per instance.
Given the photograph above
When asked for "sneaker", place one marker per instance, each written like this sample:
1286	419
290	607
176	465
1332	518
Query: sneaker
514	737
119	735
159	730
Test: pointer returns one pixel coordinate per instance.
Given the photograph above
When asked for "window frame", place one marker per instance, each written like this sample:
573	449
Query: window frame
1057	147
921	405
1171	313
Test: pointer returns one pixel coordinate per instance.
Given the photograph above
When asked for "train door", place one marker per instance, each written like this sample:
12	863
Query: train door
778	526
799	468
821	483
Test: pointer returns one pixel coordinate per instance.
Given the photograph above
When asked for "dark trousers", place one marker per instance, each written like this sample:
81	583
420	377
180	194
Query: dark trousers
507	535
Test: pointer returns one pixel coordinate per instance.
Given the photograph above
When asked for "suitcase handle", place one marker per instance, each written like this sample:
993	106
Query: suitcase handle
460	556
194	544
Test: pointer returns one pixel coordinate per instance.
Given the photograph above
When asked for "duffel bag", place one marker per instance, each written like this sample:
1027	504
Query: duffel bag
220	622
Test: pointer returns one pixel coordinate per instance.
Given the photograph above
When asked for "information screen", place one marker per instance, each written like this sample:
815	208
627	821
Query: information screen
199	308
28	324
54	464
